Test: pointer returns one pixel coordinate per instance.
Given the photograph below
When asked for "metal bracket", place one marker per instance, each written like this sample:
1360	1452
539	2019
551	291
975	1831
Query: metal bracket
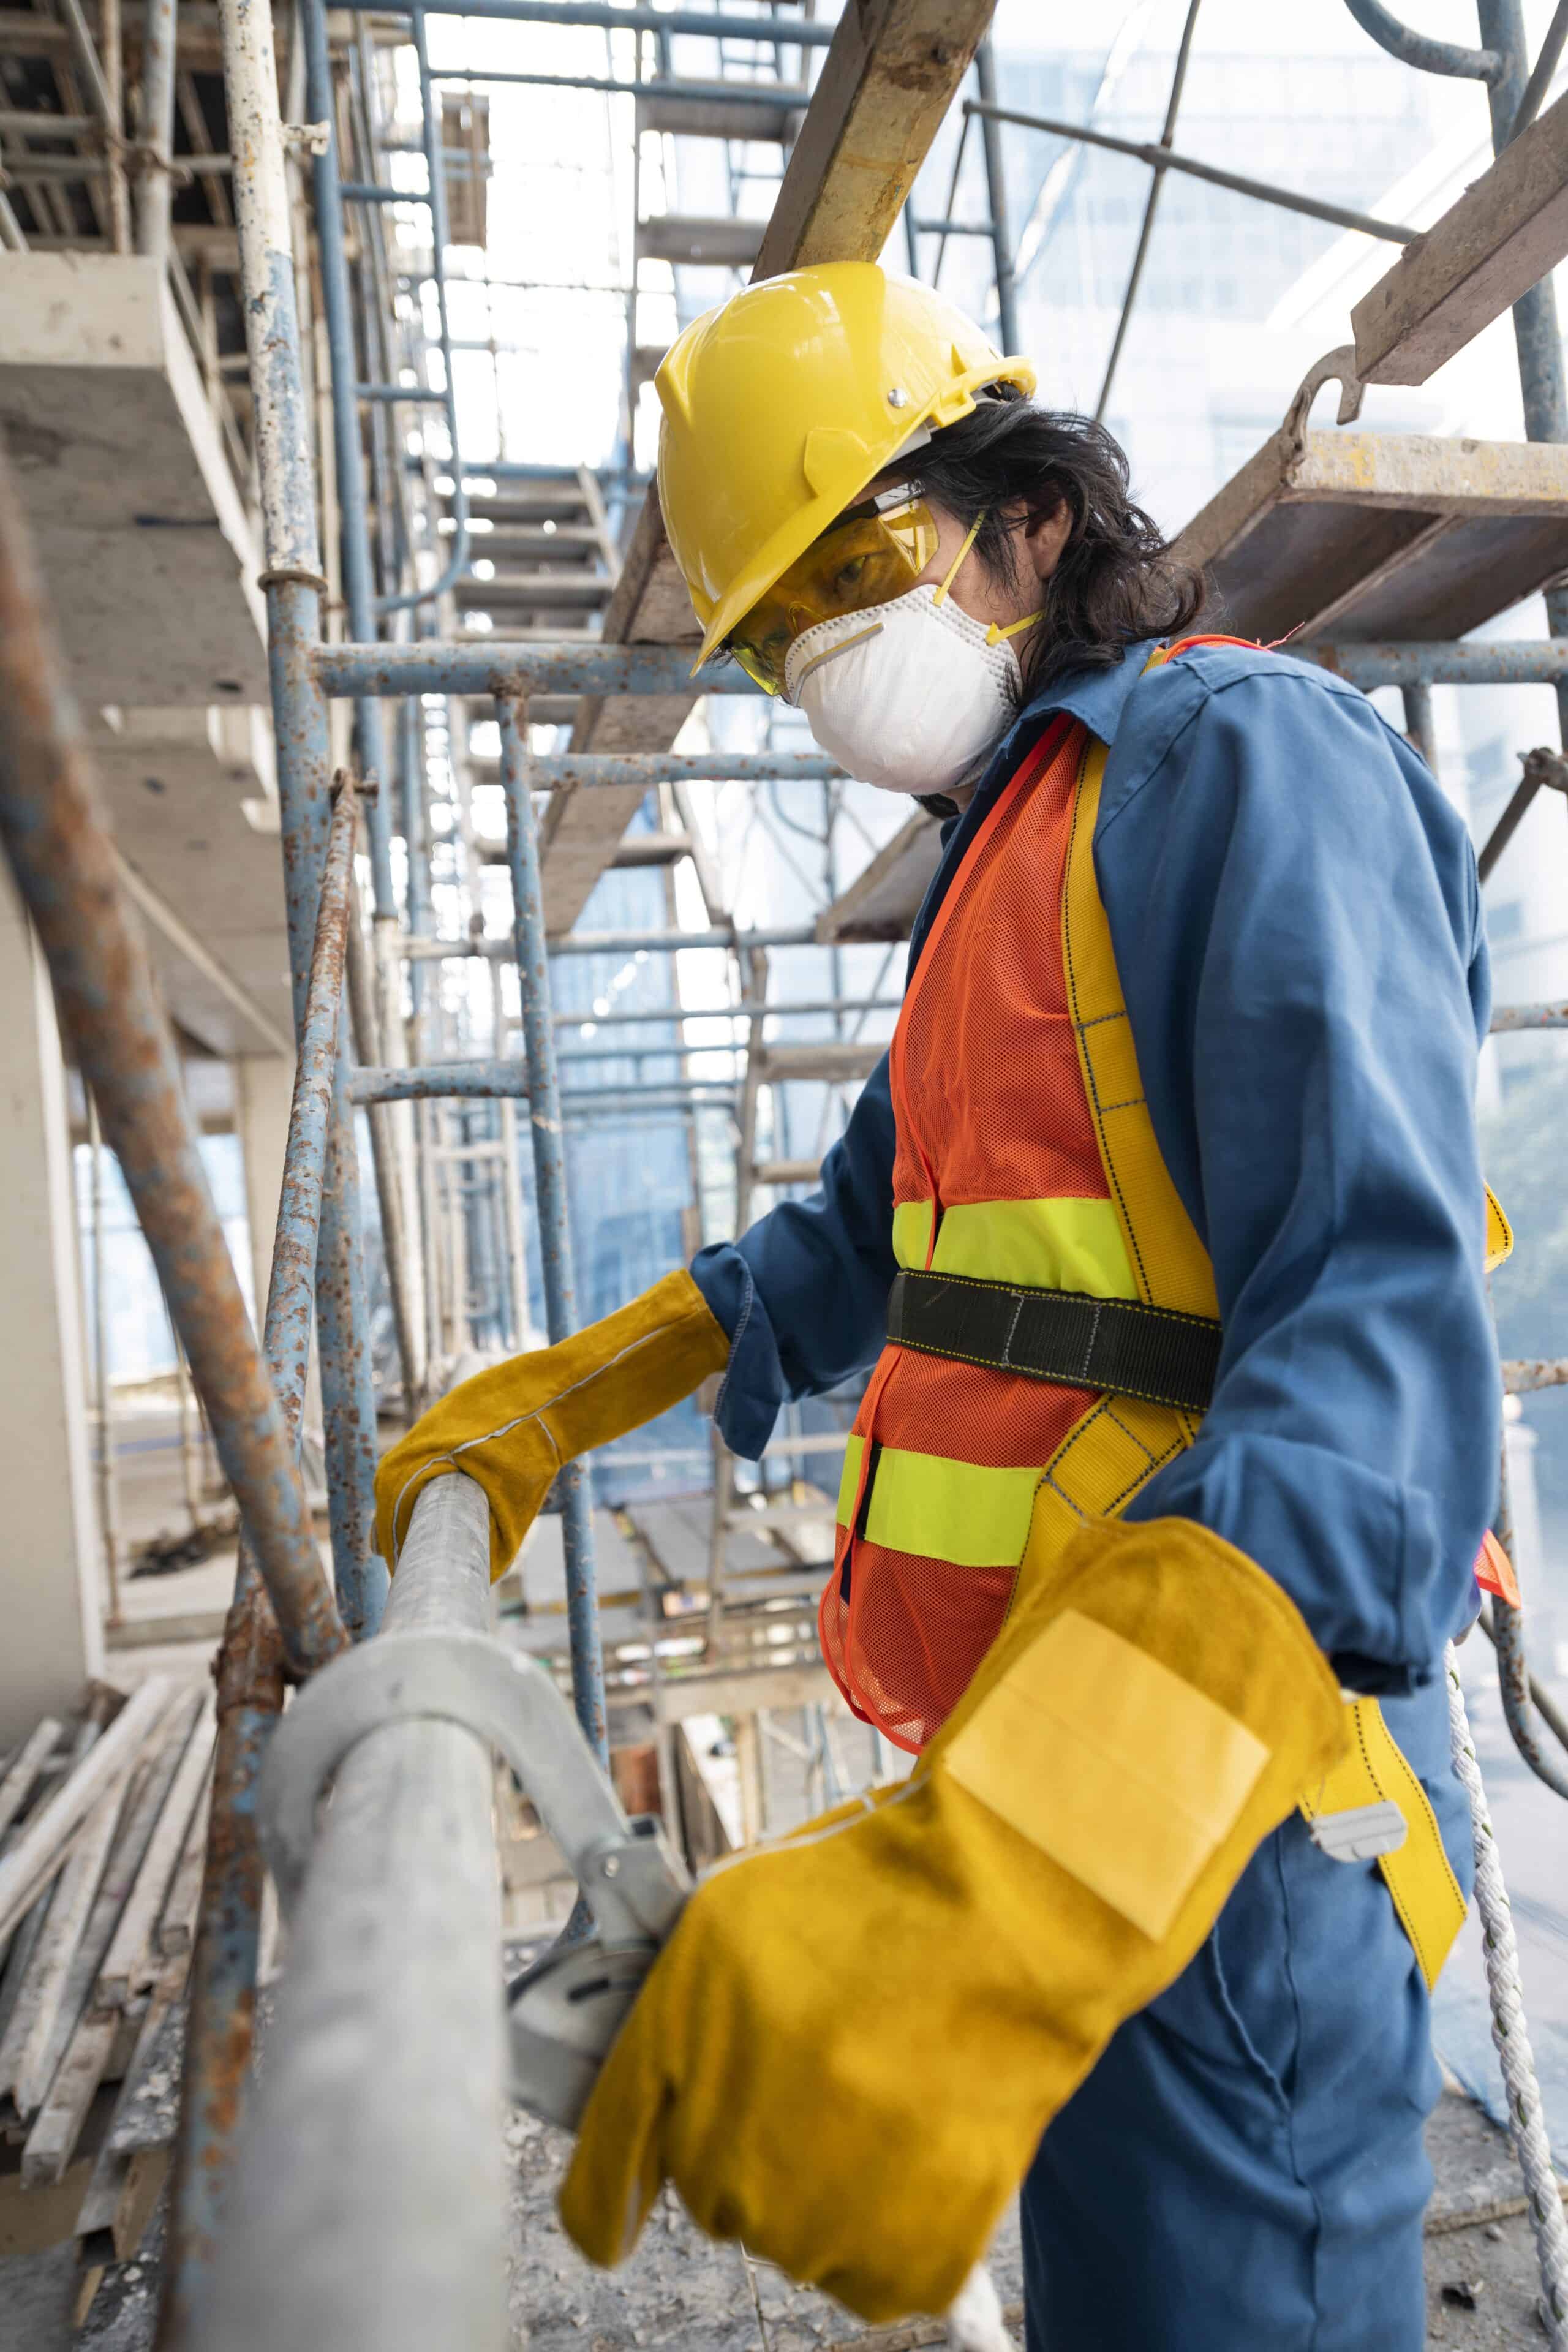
308	138
566	2012
1360	1834
507	1701
1337	366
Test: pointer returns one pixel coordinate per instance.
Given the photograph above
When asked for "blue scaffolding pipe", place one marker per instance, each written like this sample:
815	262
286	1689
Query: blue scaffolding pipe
1508	1019
486	668
552	1211
794	34
458	559
434	1081
359	588
1501	661
749	1008
770	94
426	950
611	771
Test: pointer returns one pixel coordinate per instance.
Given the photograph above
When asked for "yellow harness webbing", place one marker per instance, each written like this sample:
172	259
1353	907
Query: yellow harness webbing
1118	1446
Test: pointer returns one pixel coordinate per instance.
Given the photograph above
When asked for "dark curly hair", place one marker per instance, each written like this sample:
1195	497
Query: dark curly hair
1116	582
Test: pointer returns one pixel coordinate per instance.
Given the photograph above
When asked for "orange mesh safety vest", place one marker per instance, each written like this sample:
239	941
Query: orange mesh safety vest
1026	1154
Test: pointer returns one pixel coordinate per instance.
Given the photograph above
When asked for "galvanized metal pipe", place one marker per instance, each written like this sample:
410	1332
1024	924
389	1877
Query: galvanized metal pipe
492	666
1499	661
371	2173
678	1015
64	862
728	93
614	771
1165	159
552	1206
354	527
673	943
797	34
155	186
294	585
107	1480
458	557
999	227
250	1664
1508	1018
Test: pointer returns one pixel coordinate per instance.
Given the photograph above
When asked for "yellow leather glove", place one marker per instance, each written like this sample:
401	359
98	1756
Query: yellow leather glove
513	1426
848	2050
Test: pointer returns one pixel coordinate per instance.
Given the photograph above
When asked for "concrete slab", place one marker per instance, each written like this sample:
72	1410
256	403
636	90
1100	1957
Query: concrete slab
142	534
192	799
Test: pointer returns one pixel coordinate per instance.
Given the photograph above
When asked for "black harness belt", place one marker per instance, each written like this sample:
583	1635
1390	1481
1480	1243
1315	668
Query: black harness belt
1116	1345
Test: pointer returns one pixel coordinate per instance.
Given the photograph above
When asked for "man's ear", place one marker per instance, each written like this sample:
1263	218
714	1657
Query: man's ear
1044	535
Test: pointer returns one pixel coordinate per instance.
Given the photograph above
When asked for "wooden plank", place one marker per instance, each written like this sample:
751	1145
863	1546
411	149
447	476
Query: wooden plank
57	2123
138	1820
37	2010
177	1926
33	1860
23	1773
886	83
128	1963
1505	233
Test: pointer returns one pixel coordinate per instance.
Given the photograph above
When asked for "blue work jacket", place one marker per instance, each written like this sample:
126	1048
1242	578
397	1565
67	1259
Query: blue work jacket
1296	919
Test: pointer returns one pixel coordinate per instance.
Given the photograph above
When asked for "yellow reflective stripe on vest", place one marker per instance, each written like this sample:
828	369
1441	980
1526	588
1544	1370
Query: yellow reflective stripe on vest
1418	1876
923	1503
1047	1245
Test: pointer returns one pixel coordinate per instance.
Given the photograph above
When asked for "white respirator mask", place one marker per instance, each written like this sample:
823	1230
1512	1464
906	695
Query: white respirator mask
912	696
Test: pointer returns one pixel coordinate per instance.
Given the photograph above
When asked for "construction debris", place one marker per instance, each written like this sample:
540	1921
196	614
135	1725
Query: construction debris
103	1831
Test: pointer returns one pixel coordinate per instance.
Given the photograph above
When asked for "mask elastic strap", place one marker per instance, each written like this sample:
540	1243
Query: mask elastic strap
995	634
970	537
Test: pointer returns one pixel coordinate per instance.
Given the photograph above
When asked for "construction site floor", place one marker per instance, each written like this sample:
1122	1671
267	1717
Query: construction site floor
681	2294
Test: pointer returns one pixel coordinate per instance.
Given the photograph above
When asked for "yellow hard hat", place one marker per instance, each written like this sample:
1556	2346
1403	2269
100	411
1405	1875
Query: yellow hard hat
780	406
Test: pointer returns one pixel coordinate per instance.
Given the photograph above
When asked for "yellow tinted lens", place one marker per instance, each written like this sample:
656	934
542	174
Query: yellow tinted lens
861	561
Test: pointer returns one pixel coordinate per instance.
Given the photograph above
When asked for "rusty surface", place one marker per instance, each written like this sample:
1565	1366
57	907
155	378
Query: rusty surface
64	863
250	1680
1522	1373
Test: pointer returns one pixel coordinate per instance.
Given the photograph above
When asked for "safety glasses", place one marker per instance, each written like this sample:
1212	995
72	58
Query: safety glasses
875	551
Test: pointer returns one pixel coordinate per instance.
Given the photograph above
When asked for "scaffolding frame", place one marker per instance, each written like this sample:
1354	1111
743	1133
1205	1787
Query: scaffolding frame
397	567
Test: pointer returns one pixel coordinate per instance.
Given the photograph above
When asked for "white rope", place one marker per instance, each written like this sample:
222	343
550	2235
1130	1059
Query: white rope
1509	2030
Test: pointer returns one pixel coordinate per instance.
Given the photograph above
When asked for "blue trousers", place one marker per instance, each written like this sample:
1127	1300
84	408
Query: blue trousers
1243	2171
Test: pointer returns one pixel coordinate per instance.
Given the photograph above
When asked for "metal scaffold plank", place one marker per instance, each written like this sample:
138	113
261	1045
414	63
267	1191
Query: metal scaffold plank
1381	535
892	69
1502	236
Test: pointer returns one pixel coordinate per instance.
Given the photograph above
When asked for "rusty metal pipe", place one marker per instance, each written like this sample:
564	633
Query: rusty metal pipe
64	863
250	1664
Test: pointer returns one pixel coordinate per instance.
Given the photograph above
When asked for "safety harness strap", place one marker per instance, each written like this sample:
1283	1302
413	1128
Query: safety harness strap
1417	1873
1120	1347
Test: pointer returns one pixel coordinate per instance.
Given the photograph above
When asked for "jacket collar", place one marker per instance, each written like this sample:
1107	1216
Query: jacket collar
1095	697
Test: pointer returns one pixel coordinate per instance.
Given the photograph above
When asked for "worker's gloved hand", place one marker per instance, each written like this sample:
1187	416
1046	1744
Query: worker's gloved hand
513	1427
848	2050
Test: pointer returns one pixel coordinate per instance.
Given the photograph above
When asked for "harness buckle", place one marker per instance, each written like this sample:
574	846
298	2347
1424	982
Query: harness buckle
1360	1834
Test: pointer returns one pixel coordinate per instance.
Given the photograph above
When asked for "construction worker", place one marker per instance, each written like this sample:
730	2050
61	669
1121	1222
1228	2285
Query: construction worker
1163	1226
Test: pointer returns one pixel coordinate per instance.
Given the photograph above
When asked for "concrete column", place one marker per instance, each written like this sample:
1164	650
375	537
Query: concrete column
50	1598
263	1090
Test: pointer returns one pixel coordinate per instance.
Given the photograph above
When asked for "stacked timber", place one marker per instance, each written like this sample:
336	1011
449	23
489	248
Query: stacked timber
102	1838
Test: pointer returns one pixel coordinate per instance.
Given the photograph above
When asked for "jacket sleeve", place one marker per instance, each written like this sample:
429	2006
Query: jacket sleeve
803	1292
1297	922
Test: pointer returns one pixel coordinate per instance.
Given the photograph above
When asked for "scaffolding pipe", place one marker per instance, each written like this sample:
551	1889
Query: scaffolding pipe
797	34
155	183
251	1667
492	666
108	1477
293	584
353	526
614	771
999	227
371	2173
384	1154
670	943
1165	159
552	1209
1498	661
65	870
